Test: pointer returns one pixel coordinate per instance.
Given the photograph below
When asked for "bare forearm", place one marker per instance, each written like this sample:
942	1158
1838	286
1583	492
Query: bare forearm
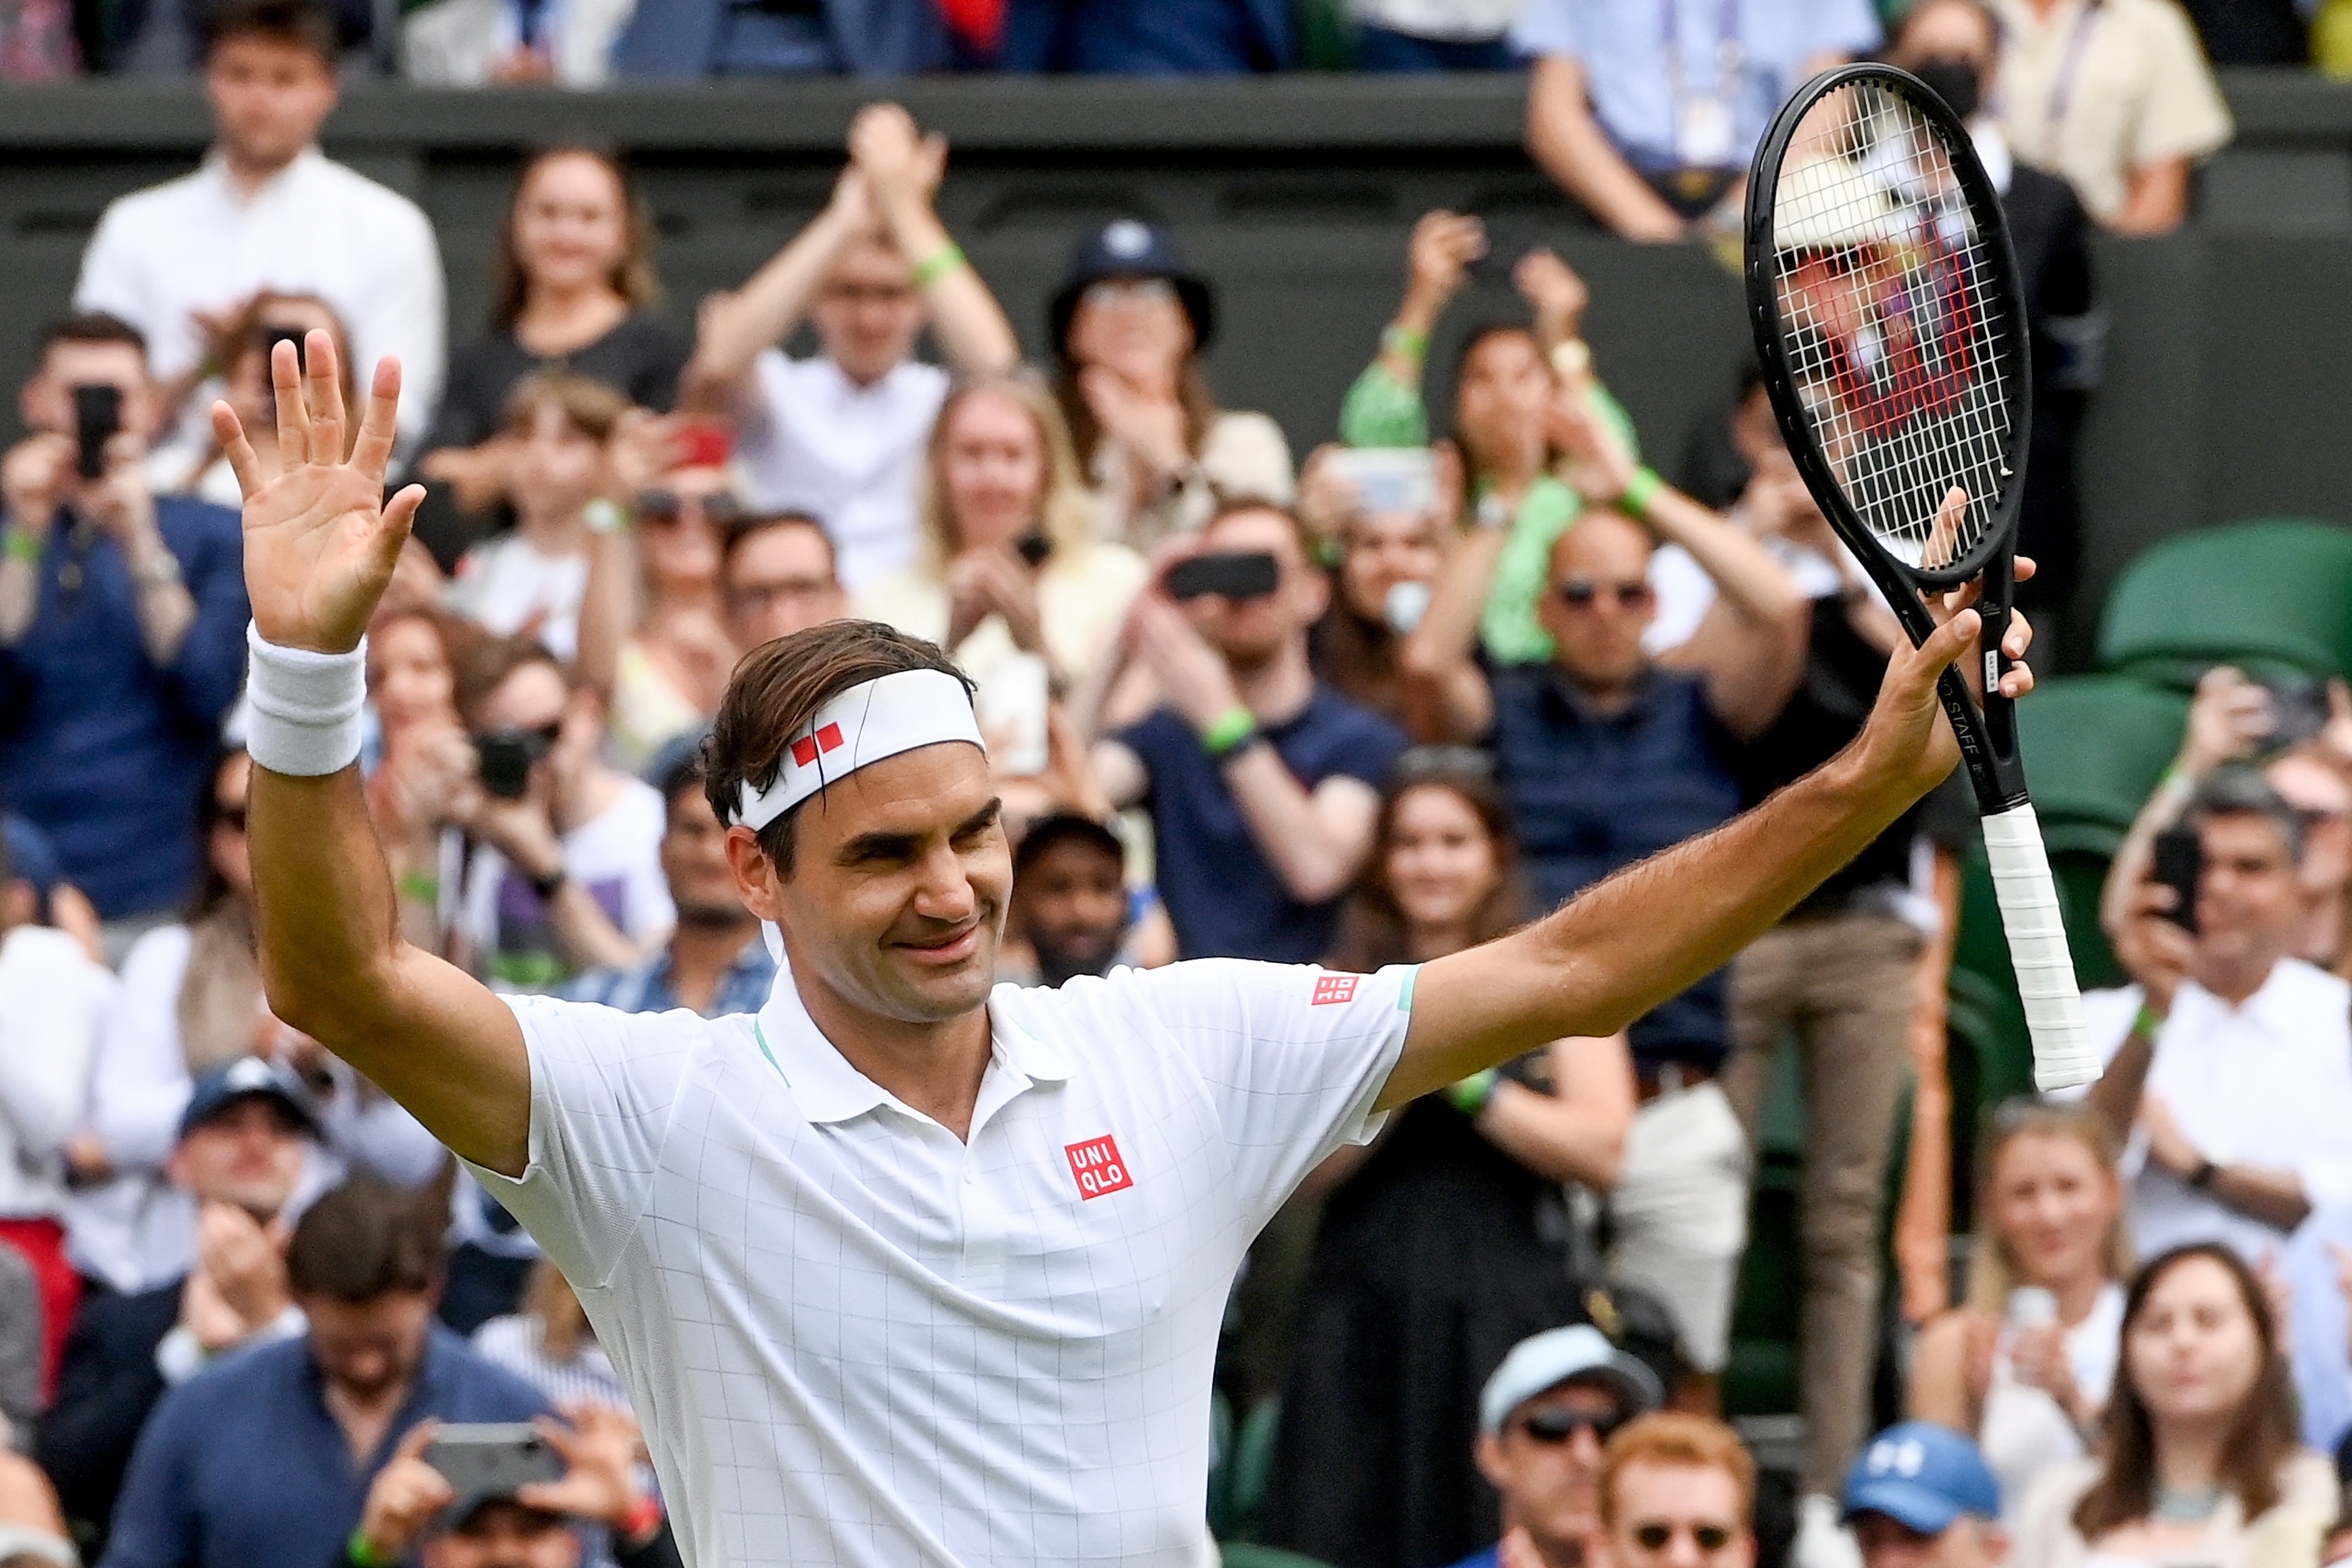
1653	930
970	323
1439	655
1310	859
20	597
2275	1197
1564	137
1558	1139
1750	581
2159	200
589	936
608	607
771	304
2115	1099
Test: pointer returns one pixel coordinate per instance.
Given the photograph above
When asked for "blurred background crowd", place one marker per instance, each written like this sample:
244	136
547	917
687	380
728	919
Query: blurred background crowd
1354	703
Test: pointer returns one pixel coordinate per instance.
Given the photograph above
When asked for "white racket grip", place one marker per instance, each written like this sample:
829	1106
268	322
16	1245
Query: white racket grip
2037	949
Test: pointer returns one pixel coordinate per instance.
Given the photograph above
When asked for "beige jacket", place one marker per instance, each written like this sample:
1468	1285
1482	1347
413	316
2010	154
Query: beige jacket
2288	1536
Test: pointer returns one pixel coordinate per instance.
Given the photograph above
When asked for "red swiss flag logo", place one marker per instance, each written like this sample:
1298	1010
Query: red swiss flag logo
1332	989
1097	1166
808	748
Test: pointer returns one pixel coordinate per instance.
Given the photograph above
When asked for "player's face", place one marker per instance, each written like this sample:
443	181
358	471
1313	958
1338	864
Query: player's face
896	898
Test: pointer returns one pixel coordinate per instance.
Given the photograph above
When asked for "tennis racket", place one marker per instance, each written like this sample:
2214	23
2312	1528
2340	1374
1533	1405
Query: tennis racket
1883	296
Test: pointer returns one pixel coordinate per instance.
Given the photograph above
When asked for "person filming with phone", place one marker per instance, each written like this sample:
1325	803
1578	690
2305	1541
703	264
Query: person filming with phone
2232	1055
1263	782
442	1497
122	629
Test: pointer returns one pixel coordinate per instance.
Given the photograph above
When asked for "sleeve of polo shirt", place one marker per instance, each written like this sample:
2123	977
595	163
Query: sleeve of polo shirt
1546	27
1293	1055
2183	115
603	1087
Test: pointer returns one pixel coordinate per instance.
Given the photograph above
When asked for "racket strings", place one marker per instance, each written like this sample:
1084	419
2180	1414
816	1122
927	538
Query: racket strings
1892	322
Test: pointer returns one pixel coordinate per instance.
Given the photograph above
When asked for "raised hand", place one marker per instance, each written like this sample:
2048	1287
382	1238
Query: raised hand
320	540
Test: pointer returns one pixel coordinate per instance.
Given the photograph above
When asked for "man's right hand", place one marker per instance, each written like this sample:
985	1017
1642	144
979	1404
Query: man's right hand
1443	246
33	477
245	1262
320	540
403	1498
2153	949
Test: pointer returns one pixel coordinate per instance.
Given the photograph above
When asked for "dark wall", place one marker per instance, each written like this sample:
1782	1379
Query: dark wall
2229	371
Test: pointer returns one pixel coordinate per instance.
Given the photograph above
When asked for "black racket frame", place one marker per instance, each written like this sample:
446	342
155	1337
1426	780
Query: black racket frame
1988	736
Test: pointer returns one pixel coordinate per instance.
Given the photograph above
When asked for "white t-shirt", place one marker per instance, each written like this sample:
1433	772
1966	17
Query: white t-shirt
2266	1083
855	1338
2023	1432
615	855
849	456
506	584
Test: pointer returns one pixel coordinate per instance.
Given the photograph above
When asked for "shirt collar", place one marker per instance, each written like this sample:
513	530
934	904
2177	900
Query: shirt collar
827	1089
2277	1008
215	169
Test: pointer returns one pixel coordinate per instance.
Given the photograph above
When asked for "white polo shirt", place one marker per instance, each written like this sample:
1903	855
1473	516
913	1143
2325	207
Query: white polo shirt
849	456
855	1338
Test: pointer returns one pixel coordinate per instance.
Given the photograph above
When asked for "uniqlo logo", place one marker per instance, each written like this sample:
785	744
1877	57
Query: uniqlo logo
1097	1167
808	747
1333	989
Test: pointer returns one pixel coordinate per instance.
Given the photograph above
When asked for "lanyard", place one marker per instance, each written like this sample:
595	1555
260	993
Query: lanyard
2062	88
1729	53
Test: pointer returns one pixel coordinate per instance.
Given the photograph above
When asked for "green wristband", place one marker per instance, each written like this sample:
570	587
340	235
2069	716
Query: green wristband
423	889
2148	1024
1640	491
939	263
1406	342
1471	1094
602	516
22	544
1237	728
362	1552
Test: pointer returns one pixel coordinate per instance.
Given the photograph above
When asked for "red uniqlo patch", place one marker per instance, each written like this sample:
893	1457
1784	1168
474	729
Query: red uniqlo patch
805	749
1330	989
1097	1167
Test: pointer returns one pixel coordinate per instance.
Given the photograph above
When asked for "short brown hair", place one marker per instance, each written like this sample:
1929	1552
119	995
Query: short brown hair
742	531
367	1240
777	689
587	405
1674	1438
304	24
90	327
481	670
1311	551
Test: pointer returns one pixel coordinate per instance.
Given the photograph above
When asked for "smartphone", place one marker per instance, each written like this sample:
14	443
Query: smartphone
2032	1307
271	336
1033	547
2299	711
1013	705
98	418
1389	478
492	1458
2179	863
1240	575
506	756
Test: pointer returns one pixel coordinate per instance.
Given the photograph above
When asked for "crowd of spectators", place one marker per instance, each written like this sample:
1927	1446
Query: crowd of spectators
1367	709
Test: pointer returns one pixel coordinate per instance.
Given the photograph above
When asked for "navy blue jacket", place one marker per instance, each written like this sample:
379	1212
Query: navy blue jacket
103	751
243	1466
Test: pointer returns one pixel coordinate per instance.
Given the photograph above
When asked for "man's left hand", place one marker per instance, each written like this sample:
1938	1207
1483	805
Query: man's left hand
1192	675
600	1451
2167	1146
120	502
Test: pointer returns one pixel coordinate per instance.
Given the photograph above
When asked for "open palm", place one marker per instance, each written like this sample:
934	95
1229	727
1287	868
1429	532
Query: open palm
320	540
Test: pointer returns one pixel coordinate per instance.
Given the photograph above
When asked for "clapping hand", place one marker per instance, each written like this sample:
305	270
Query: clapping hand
320	540
899	162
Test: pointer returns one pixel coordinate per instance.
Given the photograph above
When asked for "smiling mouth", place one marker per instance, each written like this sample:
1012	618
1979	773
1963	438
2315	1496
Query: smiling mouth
950	949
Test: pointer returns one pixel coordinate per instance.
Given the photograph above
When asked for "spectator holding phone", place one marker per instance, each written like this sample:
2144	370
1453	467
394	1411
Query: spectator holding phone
1392	537
1011	579
565	872
1608	756
841	437
1446	1242
2025	1365
271	1457
242	351
245	1144
1128	325
2196	1459
413	1507
652	631
122	629
1263	784
2230	1058
530	582
423	762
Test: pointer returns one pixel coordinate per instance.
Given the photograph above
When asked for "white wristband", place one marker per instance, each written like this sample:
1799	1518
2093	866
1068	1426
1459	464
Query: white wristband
305	707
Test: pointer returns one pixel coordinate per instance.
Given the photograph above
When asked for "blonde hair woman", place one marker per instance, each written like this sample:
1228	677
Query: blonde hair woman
2025	1367
1009	565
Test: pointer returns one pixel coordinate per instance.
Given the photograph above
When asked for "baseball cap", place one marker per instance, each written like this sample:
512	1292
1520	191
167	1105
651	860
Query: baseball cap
1924	1476
249	1078
1547	1360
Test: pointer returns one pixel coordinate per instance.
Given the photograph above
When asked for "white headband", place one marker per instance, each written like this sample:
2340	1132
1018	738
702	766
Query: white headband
866	723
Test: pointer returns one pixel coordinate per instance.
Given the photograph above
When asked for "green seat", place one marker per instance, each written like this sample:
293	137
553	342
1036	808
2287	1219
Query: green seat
2273	595
1250	1554
1247	1473
2095	746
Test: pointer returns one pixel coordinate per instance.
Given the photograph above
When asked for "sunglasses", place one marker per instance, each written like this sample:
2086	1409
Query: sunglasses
719	509
1579	594
1653	1535
1555	1427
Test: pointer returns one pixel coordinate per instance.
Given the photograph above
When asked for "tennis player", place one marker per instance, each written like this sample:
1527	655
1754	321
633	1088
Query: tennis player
904	1269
